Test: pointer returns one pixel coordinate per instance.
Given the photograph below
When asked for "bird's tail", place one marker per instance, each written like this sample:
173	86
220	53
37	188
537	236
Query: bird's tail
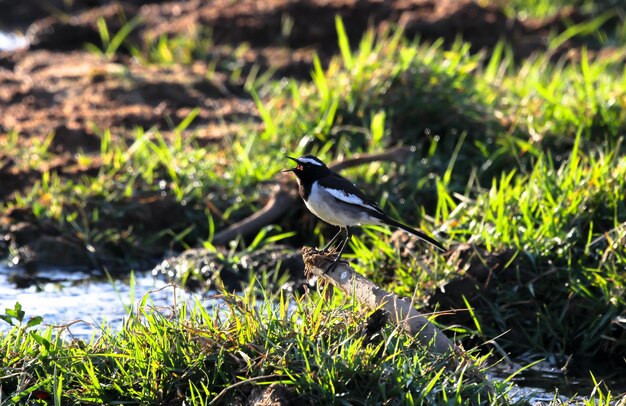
419	234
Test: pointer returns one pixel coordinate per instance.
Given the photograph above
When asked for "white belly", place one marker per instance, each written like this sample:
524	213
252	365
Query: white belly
326	207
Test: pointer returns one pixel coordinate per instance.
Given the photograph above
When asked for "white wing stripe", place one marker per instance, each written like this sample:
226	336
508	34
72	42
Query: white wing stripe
350	198
310	161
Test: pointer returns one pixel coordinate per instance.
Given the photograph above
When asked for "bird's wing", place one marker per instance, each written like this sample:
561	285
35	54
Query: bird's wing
343	190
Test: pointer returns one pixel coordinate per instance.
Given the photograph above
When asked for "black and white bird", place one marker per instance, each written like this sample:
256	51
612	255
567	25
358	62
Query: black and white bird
339	202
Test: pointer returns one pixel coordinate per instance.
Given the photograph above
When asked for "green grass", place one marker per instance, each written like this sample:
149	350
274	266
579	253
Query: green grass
111	42
547	8
96	209
567	224
313	347
504	159
536	168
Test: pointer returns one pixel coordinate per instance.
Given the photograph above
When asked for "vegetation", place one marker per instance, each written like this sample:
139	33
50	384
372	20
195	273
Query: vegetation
315	348
518	158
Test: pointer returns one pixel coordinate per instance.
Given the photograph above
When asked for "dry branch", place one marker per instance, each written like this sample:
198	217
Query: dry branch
397	154
281	199
401	312
277	205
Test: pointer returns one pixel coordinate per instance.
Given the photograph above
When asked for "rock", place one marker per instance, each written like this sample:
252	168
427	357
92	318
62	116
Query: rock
54	251
5	242
273	395
23	233
202	268
41	245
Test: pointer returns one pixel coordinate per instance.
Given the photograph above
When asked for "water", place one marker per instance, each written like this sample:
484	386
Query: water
545	382
10	41
69	298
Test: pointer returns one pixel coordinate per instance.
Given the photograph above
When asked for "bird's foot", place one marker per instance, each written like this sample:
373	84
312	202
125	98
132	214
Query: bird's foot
326	251
332	250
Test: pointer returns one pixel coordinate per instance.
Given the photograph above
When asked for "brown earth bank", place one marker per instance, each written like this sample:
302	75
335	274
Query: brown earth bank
56	87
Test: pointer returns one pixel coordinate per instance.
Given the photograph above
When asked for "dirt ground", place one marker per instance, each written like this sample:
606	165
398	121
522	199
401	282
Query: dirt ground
57	87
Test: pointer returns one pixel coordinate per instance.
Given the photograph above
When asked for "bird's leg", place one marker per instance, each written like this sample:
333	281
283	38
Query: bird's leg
343	246
332	241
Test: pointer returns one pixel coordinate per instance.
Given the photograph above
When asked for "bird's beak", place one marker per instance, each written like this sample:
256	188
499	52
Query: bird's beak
293	159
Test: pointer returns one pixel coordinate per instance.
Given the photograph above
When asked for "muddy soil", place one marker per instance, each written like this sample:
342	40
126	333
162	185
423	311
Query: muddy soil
57	87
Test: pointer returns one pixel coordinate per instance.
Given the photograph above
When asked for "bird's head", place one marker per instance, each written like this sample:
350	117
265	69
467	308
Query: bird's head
308	168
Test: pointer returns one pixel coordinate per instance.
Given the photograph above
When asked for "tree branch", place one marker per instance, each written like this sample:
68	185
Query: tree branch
401	311
396	154
276	206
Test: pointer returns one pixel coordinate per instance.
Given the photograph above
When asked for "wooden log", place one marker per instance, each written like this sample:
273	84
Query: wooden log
401	311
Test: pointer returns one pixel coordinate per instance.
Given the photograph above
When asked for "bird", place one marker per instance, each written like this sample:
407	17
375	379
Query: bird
337	201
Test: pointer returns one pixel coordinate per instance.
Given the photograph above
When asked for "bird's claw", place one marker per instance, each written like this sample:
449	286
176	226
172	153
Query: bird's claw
325	251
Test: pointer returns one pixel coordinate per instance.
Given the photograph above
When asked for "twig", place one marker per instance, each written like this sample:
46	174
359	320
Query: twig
279	202
226	389
373	297
397	154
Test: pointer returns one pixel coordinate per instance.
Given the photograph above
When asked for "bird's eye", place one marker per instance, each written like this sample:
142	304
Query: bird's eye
300	167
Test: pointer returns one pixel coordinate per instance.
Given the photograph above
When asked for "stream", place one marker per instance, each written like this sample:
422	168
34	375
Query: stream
71	296
10	41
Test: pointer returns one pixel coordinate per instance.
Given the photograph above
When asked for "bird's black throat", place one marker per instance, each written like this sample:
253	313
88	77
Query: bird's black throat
304	189
307	176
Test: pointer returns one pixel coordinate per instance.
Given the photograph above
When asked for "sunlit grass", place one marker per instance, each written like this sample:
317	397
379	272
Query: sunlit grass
191	355
148	169
112	42
545	8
